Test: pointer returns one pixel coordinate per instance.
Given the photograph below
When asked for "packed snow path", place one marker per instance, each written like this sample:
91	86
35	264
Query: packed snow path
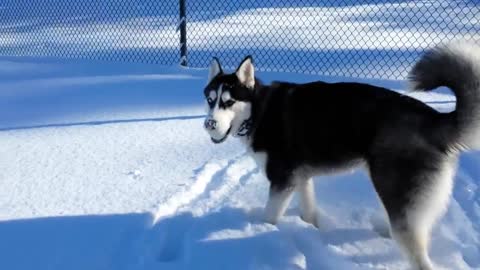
106	166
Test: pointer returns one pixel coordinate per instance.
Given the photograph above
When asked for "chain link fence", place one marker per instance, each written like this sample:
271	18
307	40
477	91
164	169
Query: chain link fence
118	30
369	38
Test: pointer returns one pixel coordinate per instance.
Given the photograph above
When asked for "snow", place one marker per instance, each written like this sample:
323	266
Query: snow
106	166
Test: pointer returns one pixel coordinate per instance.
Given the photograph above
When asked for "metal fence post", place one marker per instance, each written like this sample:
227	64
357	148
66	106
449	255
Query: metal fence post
183	34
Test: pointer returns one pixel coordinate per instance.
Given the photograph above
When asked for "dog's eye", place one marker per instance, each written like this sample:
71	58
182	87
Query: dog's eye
229	102
209	100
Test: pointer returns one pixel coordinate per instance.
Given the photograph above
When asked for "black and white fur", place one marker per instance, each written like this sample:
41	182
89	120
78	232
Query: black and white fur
298	131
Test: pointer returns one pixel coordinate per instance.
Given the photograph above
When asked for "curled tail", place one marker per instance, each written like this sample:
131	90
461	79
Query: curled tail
457	66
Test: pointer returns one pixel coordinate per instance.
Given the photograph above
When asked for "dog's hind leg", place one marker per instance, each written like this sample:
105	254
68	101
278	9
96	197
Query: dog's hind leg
414	243
415	194
308	206
427	205
278	201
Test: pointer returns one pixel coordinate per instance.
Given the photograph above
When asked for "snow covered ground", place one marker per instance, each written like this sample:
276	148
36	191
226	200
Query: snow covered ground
106	166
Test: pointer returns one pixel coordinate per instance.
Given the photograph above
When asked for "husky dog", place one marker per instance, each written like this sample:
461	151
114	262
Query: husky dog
410	150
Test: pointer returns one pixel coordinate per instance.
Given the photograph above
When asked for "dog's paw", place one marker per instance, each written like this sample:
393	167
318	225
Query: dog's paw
312	218
270	219
320	220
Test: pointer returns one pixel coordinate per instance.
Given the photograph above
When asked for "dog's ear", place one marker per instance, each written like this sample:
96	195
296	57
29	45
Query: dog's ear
246	73
215	69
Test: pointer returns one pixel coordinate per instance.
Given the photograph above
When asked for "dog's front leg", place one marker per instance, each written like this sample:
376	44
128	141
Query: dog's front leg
308	206
278	200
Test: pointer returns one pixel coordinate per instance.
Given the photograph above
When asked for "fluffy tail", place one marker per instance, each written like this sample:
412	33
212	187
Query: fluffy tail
457	66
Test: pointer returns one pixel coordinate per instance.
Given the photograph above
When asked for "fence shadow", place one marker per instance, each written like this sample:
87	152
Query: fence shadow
71	242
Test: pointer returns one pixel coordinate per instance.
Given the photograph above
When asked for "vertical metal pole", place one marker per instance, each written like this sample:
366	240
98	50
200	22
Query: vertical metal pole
183	34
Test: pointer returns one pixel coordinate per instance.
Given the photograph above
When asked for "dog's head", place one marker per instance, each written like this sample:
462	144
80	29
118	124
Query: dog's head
229	99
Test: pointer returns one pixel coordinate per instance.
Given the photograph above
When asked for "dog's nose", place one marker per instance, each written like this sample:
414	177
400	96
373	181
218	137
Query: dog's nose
210	124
